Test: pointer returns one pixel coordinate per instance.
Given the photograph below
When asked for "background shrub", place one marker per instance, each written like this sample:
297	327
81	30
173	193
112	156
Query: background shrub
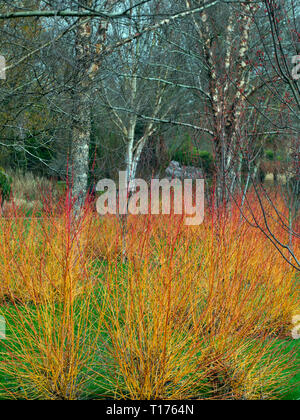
5	186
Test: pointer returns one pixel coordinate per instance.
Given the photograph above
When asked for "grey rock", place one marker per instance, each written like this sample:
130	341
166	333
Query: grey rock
176	171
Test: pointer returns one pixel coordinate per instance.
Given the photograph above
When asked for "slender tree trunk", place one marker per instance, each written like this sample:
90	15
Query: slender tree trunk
87	64
80	148
81	131
227	99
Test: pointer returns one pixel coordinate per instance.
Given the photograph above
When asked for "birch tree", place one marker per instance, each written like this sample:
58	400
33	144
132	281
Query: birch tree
225	48
91	19
136	97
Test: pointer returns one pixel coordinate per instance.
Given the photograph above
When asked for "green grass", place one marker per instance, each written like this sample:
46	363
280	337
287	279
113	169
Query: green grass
93	389
96	388
294	393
